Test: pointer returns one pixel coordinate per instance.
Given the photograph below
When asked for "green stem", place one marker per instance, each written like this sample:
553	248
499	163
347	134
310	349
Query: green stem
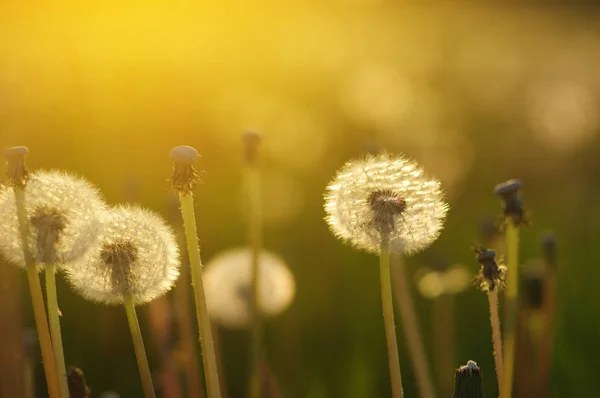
37	298
252	177
411	328
53	317
497	340
511	297
138	345
204	325
388	317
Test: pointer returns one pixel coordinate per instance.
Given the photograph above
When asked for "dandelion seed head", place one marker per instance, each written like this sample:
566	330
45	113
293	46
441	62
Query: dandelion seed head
385	194
227	281
136	254
65	216
184	178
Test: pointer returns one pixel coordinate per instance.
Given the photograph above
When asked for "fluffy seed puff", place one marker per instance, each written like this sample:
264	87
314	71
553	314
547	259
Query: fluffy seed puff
64	213
385	194
227	281
136	254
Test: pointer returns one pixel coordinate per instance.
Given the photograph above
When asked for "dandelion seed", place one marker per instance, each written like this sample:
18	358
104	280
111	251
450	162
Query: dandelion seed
228	286
64	213
385	194
135	255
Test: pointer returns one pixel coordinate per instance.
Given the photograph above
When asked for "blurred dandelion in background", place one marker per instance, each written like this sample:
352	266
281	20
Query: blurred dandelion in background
153	259
64	212
227	283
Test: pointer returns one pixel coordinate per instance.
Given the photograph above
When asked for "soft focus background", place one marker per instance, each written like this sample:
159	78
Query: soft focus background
477	94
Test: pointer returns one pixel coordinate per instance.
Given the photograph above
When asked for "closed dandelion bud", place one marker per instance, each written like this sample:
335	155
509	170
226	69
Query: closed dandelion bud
228	280
135	255
385	194
64	213
468	381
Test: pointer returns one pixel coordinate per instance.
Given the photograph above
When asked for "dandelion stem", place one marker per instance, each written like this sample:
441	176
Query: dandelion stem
411	328
53	317
443	328
388	316
545	355
252	177
204	325
511	299
496	340
138	345
37	297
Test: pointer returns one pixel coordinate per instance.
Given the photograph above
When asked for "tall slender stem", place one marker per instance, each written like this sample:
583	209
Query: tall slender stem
443	328
252	177
511	300
388	316
138	345
53	317
497	340
37	298
204	325
548	310
411	327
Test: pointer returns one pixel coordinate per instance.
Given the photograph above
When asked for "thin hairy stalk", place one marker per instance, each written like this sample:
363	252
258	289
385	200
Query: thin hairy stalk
511	300
54	318
252	182
497	340
204	325
186	333
411	328
545	356
37	298
388	316
443	328
138	345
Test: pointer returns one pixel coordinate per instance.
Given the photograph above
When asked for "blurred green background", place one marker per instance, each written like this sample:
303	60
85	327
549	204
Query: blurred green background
476	94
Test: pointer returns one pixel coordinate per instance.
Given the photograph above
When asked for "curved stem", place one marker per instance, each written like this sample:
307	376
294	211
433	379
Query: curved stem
37	298
497	340
511	299
411	328
54	318
388	317
252	177
138	345
204	325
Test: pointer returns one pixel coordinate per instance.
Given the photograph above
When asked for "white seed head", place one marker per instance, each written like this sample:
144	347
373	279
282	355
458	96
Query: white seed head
64	212
227	280
385	193
135	254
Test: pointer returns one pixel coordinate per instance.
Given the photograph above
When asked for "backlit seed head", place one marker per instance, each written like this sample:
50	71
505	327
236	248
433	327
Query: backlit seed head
136	254
385	194
227	281
65	216
184	178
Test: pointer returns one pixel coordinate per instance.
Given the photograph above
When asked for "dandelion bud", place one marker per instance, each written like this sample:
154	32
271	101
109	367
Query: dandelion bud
385	194
468	381
64	213
78	387
228	280
251	140
17	172
549	249
511	202
185	177
491	274
135	255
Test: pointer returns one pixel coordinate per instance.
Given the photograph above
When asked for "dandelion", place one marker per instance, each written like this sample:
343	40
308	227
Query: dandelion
490	279
468	381
228	283
134	260
387	199
514	216
183	181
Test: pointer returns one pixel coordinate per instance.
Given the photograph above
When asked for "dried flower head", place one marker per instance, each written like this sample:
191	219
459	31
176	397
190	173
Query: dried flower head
136	254
64	212
227	280
17	171
491	274
385	194
251	139
511	202
185	178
